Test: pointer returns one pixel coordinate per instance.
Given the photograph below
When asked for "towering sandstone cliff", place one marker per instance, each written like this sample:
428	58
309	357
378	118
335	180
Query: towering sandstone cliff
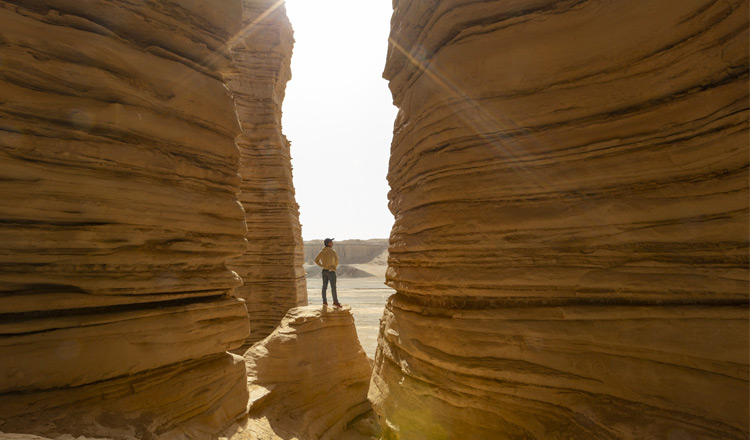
570	252
271	267
119	181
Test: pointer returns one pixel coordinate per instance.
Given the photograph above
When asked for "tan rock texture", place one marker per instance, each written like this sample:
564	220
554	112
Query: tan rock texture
570	251
119	181
271	267
192	399
308	379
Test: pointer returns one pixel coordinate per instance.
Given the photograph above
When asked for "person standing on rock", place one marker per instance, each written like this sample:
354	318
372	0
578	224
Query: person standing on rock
328	259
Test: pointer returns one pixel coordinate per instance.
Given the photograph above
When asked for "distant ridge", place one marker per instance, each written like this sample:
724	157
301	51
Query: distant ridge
343	271
350	251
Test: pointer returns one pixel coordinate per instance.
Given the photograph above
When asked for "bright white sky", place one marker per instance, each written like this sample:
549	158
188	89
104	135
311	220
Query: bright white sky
339	116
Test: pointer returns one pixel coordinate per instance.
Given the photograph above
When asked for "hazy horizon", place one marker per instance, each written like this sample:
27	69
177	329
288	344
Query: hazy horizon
348	239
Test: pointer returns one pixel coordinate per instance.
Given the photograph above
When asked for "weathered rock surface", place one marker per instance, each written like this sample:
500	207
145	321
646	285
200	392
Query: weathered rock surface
350	251
82	348
308	379
119	181
271	267
570	251
193	399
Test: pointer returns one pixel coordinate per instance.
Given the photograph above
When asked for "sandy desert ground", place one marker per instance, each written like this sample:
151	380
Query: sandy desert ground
366	296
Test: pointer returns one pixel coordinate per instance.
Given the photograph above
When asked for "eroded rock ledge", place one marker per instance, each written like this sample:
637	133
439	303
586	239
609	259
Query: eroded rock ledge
570	253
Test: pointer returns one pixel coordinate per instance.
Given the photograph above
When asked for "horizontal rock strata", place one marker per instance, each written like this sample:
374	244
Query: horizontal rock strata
95	347
119	182
309	378
562	372
192	399
114	169
271	267
570	252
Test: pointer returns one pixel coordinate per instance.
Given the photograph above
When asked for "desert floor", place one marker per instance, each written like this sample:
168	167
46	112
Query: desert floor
366	296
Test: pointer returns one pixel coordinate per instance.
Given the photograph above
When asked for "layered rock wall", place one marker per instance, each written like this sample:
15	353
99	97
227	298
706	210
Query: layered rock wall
570	251
119	181
271	267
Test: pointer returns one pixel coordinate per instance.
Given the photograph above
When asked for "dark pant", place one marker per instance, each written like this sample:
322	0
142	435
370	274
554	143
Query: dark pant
329	275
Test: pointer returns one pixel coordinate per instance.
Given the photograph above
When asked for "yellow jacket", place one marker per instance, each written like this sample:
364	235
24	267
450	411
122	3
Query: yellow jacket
328	259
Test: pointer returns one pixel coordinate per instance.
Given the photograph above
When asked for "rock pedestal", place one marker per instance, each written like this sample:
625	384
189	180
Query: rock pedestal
308	379
570	251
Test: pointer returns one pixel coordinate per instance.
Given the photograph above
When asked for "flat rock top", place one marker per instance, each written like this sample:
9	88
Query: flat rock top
301	315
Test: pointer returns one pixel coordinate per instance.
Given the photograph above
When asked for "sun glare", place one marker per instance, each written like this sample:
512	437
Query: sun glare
339	117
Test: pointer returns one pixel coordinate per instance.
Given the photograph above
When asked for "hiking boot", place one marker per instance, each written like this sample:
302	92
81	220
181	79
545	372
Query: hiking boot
325	304
336	304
